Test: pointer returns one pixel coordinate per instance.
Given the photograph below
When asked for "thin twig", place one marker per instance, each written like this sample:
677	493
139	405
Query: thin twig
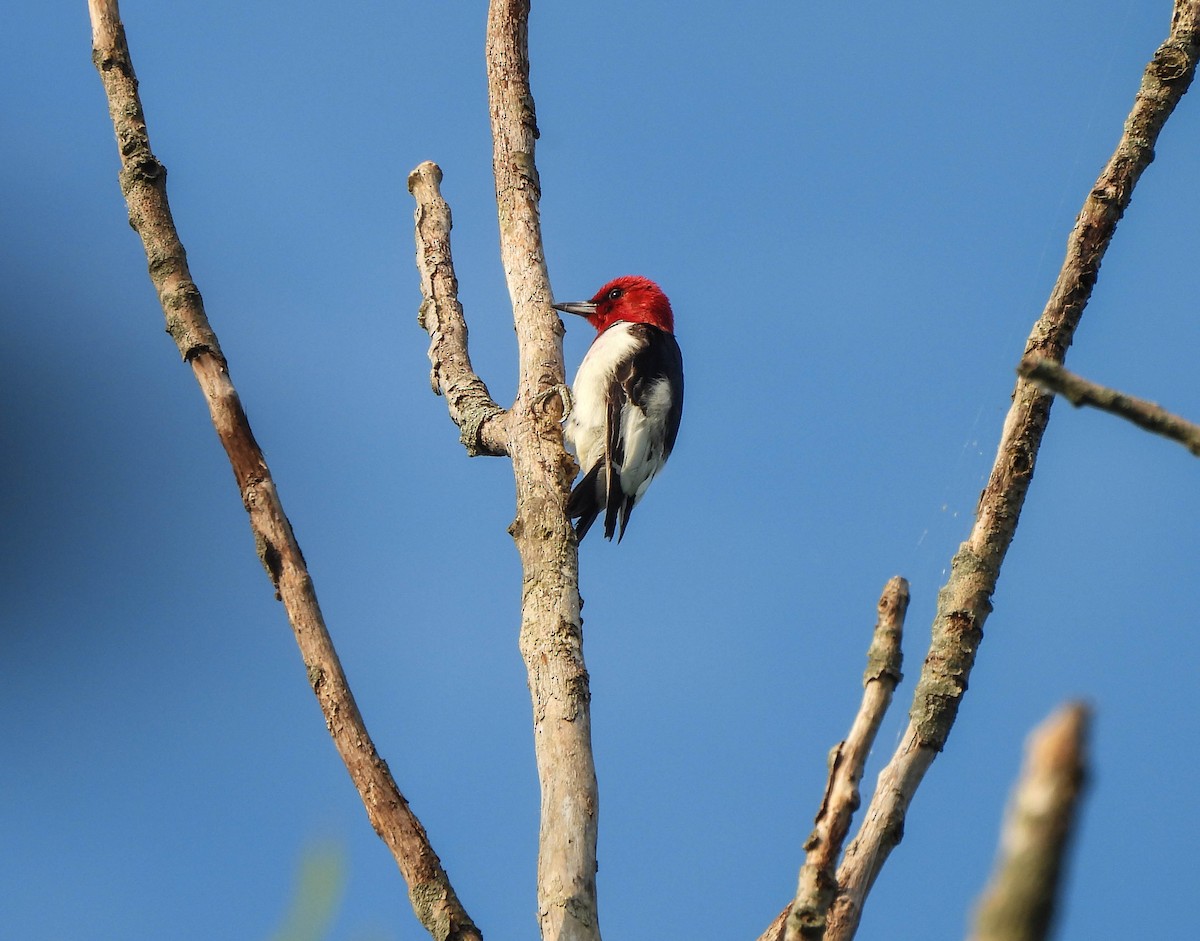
1079	391
1021	898
143	182
965	601
818	883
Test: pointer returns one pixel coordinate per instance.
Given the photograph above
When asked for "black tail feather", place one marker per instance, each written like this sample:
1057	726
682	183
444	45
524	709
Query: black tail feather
624	519
586	500
619	506
611	510
591	496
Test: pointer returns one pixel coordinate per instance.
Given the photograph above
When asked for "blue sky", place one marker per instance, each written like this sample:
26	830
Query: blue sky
857	212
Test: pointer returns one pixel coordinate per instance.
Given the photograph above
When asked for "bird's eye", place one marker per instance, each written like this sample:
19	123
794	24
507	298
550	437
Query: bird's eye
614	294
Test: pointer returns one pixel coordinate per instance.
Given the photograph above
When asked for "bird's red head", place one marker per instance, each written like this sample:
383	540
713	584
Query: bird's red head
630	298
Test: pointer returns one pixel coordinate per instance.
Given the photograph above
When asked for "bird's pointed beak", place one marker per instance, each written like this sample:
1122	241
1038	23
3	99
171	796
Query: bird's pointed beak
579	308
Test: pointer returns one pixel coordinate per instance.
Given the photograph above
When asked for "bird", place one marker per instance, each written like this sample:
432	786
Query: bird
627	401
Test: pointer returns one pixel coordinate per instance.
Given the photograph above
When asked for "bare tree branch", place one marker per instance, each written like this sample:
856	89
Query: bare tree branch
480	420
551	628
1079	391
531	434
143	182
818	883
1020	901
965	601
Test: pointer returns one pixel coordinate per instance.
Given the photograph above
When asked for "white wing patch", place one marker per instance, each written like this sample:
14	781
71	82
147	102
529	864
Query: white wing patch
641	430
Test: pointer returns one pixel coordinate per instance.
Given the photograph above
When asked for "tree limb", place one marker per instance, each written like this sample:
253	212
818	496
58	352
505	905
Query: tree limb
143	183
480	420
1079	391
551	628
965	601
818	882
530	433
1020	901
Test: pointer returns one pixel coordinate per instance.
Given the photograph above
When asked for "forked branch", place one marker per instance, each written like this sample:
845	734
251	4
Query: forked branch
143	183
805	919
530	433
965	601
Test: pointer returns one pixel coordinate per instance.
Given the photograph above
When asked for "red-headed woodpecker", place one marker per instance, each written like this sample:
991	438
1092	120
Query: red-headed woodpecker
628	401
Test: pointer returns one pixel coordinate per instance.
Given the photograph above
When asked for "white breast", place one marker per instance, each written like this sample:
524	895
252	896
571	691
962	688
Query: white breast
584	430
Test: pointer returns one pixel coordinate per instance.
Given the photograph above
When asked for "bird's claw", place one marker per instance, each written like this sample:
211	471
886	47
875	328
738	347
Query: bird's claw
560	390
